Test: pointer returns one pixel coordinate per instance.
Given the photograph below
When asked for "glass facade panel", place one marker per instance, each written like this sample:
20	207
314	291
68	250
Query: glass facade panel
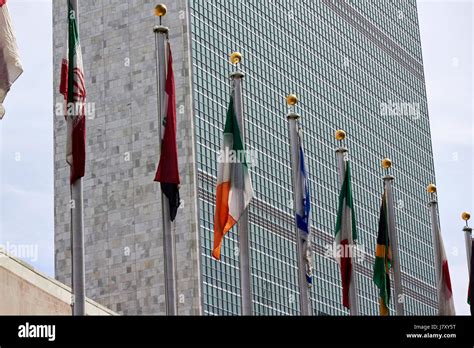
355	65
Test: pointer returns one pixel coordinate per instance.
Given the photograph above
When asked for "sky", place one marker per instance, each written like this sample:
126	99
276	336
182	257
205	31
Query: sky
26	132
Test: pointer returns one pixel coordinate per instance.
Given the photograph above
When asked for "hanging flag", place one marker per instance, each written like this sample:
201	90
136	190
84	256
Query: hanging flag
471	280
346	234
383	259
234	187
445	293
72	87
303	207
10	65
168	173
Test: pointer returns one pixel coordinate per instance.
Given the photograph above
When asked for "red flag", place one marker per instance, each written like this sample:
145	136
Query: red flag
168	172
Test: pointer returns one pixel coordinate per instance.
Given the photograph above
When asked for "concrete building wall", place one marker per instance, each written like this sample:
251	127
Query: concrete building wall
123	235
25	291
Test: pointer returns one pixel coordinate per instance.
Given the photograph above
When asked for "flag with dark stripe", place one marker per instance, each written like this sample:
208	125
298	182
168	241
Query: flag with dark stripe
383	258
168	173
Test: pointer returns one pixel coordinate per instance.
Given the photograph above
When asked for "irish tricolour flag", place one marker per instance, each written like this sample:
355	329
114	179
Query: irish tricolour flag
234	187
73	89
10	66
346	234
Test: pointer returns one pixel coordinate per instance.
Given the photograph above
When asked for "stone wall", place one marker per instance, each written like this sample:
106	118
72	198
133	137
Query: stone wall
123	235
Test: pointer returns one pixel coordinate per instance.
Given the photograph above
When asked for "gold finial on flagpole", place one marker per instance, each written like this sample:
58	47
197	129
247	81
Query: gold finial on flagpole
291	99
431	188
465	216
386	163
235	58
340	135
160	11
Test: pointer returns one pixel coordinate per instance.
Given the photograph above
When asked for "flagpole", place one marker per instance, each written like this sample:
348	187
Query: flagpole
243	223
161	35
468	239
292	117
77	229
433	204
341	155
392	231
77	254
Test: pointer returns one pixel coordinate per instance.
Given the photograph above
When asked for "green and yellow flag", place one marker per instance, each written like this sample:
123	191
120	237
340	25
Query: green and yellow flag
383	258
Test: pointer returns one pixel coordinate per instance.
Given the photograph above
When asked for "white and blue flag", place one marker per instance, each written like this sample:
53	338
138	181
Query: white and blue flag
302	211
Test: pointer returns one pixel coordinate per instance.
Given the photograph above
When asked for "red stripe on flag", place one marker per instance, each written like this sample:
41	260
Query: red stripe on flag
79	76
64	78
79	128
78	148
346	271
79	84
446	277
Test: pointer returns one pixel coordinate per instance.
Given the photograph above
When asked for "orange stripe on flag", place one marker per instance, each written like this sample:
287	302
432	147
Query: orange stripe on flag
383	308
223	222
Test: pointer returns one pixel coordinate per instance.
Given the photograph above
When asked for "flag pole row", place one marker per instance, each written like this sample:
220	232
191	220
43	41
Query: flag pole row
234	192
387	251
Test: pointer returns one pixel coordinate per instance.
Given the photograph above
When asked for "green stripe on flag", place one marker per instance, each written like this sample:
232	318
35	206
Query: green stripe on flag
346	195
73	42
232	127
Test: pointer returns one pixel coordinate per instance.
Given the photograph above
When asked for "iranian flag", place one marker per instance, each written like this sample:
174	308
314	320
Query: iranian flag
10	66
234	187
445	292
346	234
72	87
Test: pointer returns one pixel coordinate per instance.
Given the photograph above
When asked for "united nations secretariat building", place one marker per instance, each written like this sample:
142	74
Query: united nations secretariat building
355	65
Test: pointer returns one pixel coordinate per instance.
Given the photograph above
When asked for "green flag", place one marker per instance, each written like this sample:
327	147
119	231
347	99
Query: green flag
383	258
